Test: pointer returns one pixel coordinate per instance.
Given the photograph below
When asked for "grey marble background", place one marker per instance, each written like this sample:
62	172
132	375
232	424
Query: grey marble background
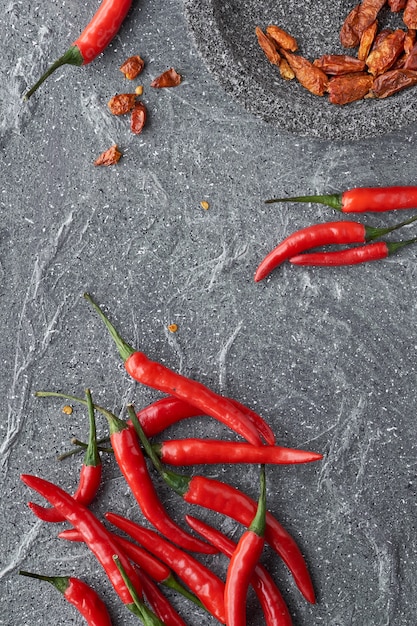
327	356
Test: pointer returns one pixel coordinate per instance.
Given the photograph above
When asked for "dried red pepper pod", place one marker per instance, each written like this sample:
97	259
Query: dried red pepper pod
164	379
244	560
339	232
90	475
375	251
95	38
79	594
273	604
363	199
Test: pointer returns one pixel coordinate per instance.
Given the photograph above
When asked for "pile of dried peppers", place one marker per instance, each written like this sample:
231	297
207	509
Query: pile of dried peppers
159	552
296	247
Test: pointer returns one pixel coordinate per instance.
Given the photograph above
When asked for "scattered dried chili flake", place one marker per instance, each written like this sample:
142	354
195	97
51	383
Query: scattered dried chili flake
268	46
367	40
282	38
410	14
132	67
204	205
173	328
67	409
336	64
109	157
393	81
138	118
122	103
307	74
169	78
349	87
383	56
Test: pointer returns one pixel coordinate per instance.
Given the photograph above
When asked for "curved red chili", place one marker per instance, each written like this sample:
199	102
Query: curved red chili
94	534
194	451
352	256
363	199
90	474
132	463
243	562
206	585
339	232
79	594
95	38
161	606
160	377
273	604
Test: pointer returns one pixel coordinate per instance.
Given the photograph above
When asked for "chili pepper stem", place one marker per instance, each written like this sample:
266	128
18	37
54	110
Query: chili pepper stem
124	349
332	200
92	456
259	521
60	582
71	57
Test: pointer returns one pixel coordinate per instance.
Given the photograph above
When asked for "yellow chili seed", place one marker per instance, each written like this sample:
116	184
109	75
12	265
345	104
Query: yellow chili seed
67	409
205	205
173	328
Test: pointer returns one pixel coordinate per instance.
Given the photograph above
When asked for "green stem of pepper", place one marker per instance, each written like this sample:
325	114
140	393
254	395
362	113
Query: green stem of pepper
71	57
124	349
259	521
60	582
332	200
92	456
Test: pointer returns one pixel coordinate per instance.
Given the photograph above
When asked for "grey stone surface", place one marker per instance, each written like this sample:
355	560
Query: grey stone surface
327	356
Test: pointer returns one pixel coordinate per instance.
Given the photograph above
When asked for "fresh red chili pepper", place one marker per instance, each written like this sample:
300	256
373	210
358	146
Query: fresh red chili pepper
166	380
95	38
206	585
363	199
194	451
352	256
93	532
339	232
223	498
161	606
147	562
244	560
273	604
132	463
80	595
90	475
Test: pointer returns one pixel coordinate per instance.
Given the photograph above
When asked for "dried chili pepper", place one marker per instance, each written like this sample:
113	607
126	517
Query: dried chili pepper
223	498
336	64
132	67
80	595
93	40
392	82
383	55
161	606
308	75
273	604
397	5
349	37
194	451
206	585
348	88
93	532
90	475
282	39
363	199
122	103
352	256
268	46
169	78
320	235
243	562
164	379
138	118
366	41
109	157
410	14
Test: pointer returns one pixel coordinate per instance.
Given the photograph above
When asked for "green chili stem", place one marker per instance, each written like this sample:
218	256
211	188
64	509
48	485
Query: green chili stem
373	233
124	349
92	456
60	582
259	521
71	57
332	200
83	445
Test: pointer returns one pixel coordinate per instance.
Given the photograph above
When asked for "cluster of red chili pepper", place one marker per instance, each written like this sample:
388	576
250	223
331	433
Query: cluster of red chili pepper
359	200
137	566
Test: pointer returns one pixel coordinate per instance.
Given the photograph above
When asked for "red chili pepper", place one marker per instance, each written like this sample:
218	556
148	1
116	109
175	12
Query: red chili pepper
206	585
80	595
273	604
193	451
90	475
339	232
93	532
166	380
352	256
244	560
222	498
363	199
93	40
159	603
132	463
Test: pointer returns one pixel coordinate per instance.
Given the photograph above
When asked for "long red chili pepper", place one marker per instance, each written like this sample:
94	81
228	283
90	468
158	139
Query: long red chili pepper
166	380
132	463
244	560
80	595
206	585
339	232
93	532
223	498
194	451
363	199
352	256
93	40
161	606
90	474
273	604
